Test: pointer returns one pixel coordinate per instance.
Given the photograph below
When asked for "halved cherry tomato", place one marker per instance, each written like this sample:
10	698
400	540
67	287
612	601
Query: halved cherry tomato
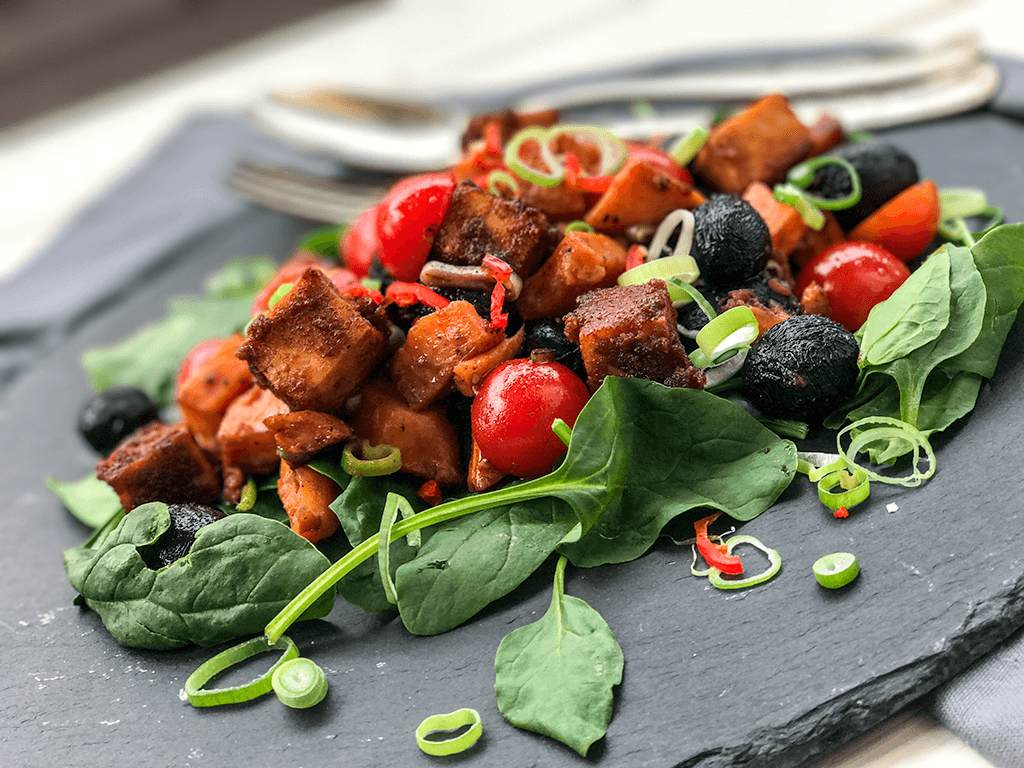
659	159
407	220
854	276
905	225
359	245
513	411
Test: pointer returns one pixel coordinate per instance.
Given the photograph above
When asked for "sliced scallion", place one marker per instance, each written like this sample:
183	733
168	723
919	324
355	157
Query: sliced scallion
548	178
836	570
377	460
395	503
680	219
612	149
682	267
853	488
684	150
734	329
198	696
794	196
462	718
247	499
299	683
497	178
890	429
801	175
717	579
578	226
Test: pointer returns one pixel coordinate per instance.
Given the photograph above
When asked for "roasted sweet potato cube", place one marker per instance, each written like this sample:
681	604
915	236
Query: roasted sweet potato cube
478	223
205	395
815	241
424	366
582	262
301	435
630	330
760	143
786	225
160	462
470	373
427	440
245	443
306	496
640	194
315	346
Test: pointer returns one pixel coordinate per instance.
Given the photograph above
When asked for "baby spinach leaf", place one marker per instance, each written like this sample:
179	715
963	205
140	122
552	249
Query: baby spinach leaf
556	676
915	314
149	359
685	449
467	563
240	572
90	500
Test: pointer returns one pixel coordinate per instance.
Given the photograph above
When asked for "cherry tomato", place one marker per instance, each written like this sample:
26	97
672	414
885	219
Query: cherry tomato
359	245
661	160
855	276
905	225
195	359
513	411
407	221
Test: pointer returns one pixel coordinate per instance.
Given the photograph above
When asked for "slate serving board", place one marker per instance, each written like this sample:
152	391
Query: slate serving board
770	676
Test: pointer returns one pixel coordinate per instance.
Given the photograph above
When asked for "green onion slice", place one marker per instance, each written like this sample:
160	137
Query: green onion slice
854	488
817	465
461	718
395	503
681	292
961	203
796	197
612	149
682	267
734	329
200	697
684	150
836	570
889	431
801	175
280	293
536	176
377	460
562	431
248	497
774	565
497	178
680	219
299	683
578	226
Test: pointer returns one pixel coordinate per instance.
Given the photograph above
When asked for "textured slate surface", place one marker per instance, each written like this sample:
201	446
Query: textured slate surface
764	677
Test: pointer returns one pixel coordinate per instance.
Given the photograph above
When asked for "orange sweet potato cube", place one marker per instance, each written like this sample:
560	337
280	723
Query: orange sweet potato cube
205	395
640	194
786	225
306	496
245	442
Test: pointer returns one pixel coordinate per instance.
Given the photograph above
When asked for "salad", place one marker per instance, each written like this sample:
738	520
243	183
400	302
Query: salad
380	390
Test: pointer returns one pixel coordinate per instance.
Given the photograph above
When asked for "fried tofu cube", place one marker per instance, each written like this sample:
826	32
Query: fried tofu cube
423	368
640	194
478	223
760	143
426	438
315	346
630	330
160	462
245	443
582	262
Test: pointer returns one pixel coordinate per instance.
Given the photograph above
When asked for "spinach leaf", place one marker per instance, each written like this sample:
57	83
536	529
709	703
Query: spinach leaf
555	676
468	563
913	316
240	572
149	359
685	449
89	500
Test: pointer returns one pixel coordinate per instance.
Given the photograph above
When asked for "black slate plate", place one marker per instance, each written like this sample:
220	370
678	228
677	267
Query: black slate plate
764	677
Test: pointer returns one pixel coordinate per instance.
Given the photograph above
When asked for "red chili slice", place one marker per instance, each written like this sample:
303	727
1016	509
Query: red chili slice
713	554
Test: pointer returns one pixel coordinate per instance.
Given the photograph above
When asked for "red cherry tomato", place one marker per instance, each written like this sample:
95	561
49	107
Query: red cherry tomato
195	359
359	245
905	225
407	221
659	159
855	276
513	411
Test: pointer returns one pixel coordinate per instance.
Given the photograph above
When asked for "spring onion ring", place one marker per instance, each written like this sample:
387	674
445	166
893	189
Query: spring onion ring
836	570
377	460
497	177
736	328
578	226
716	577
684	150
299	683
795	197
550	178
684	221
611	148
801	175
450	722
200	697
683	267
855	488
891	429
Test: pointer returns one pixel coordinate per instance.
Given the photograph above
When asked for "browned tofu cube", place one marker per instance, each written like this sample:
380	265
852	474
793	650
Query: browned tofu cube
424	366
630	330
760	143
478	223
245	443
206	394
160	462
582	262
306	496
315	346
301	435
427	440
640	194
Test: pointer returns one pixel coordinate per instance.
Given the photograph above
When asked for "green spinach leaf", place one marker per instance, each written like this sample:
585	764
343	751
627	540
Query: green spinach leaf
240	572
556	676
89	500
